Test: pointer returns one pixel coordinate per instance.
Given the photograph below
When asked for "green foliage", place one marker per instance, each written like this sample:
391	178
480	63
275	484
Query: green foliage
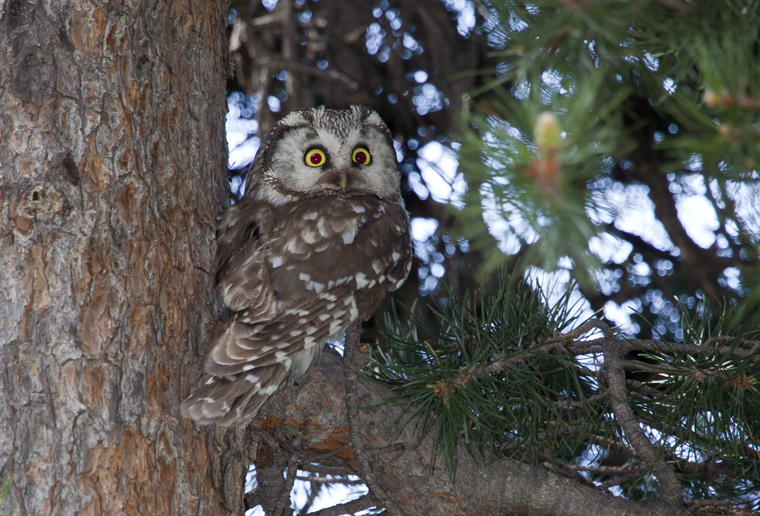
706	406
493	374
521	406
618	78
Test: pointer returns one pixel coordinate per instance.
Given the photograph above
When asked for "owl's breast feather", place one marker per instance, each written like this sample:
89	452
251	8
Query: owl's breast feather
354	242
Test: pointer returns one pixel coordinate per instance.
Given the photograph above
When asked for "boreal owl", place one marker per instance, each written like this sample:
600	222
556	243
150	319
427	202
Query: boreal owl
316	241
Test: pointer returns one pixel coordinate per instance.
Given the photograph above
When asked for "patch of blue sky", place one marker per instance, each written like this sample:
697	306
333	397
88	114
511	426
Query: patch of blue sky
438	165
465	14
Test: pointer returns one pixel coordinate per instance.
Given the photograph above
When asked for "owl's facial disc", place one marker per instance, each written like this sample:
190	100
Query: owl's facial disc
357	156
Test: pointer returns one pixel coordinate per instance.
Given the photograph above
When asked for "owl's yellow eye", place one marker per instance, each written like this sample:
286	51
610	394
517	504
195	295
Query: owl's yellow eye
361	156
315	158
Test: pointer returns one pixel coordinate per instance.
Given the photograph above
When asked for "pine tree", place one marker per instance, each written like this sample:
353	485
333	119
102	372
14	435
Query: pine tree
602	112
589	103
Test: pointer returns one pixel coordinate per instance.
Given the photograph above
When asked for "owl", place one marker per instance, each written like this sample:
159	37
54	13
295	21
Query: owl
314	244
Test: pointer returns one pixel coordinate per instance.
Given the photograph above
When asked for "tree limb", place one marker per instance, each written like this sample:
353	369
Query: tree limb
672	491
352	363
311	415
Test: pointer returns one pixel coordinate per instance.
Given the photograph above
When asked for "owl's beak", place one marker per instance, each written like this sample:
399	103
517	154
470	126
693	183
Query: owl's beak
342	180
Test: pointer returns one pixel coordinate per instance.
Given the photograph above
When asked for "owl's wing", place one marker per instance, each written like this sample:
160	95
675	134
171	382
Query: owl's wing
251	361
397	231
240	269
245	346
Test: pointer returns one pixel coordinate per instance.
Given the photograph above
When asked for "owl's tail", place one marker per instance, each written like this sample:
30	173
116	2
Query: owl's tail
234	399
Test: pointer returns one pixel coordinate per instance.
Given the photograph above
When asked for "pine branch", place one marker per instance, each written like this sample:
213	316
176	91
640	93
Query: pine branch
672	492
314	410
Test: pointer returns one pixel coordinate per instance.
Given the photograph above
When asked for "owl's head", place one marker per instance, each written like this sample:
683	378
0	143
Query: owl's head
324	151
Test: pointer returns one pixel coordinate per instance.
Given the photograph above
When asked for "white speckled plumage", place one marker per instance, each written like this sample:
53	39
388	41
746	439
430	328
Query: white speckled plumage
305	252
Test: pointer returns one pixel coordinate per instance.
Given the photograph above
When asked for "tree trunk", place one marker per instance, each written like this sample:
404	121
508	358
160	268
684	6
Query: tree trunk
112	161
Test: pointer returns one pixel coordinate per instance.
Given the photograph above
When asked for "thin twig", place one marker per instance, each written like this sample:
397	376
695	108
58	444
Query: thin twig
354	506
331	480
586	327
327	74
326	470
623	478
565	470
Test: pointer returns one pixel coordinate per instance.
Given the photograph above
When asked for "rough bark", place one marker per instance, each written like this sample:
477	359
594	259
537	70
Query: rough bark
112	161
309	418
